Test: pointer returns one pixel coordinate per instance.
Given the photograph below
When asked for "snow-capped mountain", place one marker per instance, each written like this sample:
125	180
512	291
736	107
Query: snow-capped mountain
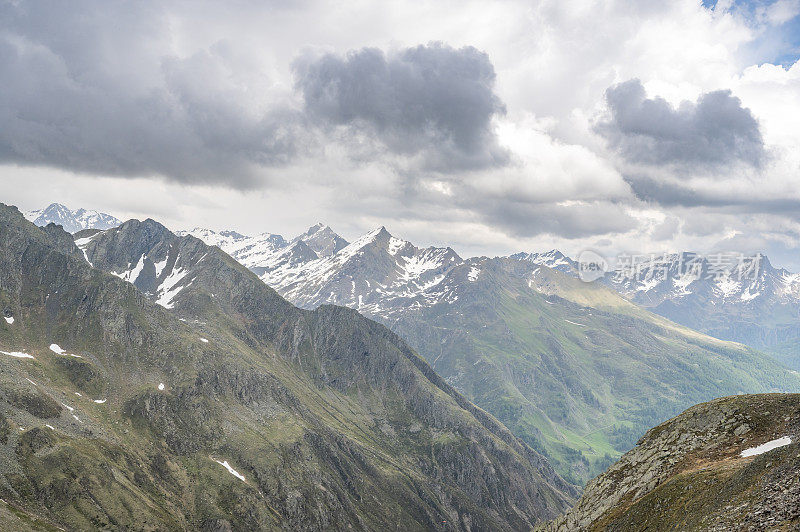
146	255
727	295
265	252
553	259
250	251
72	221
377	274
725	279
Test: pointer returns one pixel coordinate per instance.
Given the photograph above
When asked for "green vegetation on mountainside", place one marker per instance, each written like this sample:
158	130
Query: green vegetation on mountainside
578	383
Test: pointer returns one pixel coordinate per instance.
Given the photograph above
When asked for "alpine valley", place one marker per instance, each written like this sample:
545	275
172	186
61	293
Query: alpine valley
574	369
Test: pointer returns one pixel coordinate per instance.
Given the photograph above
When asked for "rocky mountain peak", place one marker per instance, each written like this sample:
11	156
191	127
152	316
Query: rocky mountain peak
323	240
378	235
231	234
317	227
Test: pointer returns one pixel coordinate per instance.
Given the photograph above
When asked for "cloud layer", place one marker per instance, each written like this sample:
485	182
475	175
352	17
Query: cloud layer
493	127
80	96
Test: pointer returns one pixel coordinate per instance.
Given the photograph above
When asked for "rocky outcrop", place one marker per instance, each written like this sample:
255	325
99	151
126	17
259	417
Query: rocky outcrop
32	401
690	473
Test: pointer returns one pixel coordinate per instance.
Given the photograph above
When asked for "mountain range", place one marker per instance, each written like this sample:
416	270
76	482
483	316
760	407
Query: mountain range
150	381
732	297
760	309
576	370
729	296
513	359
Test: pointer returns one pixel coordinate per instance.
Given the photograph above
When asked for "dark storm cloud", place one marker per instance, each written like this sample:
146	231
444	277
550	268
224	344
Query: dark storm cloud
715	131
568	221
434	101
89	90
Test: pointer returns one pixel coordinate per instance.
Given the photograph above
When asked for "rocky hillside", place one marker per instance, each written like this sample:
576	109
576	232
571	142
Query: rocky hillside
572	368
730	464
225	407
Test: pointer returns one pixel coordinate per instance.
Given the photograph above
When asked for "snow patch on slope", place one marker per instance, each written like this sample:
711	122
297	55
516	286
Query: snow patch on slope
682	283
766	447
727	286
16	354
132	274
230	469
55	348
169	289
159	266
82	243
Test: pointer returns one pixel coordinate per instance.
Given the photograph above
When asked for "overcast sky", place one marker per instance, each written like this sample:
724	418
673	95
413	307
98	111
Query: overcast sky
493	127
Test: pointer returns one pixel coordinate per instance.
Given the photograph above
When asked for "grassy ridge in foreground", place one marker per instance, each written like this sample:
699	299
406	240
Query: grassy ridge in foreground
689	473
